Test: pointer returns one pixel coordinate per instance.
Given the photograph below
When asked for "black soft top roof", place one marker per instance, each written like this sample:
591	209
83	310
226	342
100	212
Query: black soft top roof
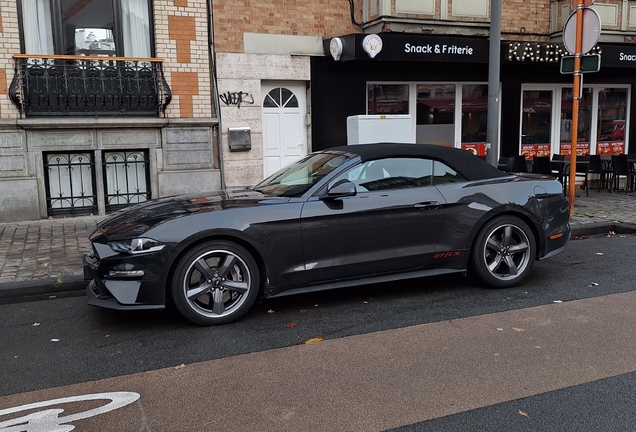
464	162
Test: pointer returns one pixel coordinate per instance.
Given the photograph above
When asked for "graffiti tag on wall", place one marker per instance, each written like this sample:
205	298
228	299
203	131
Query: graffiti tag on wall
236	98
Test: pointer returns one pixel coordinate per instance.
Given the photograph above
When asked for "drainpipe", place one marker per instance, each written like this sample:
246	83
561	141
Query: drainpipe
215	90
494	61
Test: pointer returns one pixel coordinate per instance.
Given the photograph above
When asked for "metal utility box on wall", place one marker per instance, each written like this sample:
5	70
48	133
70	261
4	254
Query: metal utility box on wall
364	129
239	138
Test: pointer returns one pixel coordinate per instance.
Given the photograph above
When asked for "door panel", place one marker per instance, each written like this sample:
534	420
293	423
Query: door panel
371	233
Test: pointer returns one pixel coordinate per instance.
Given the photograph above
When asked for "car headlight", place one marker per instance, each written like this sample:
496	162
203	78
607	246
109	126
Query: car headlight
136	246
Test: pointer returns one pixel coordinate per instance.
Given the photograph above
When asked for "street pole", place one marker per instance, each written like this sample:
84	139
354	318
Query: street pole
492	128
578	77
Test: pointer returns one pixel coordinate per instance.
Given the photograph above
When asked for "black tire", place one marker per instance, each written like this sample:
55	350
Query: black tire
215	283
504	252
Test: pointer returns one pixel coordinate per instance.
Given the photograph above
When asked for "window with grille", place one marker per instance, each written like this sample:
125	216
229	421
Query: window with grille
126	178
70	183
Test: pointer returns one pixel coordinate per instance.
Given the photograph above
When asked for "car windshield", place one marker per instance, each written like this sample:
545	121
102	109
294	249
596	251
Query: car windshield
296	179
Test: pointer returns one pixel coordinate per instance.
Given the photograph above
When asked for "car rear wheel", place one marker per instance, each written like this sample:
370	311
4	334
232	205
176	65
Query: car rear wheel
215	283
504	252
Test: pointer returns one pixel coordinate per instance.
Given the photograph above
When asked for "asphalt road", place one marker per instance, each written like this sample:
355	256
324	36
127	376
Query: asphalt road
433	354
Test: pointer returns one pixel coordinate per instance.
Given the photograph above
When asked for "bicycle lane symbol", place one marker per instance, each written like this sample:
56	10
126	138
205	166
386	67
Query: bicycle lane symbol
50	421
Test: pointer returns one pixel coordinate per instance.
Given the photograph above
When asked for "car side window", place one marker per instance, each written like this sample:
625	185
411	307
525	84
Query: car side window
390	173
445	174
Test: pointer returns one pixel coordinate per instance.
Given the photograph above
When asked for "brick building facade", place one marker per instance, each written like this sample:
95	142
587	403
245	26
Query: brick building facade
174	96
109	141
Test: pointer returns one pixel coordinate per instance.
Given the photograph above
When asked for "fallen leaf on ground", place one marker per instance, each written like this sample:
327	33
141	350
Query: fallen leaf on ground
518	329
291	325
314	340
523	413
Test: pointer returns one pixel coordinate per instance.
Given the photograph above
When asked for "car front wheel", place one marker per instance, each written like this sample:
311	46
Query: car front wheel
504	252
215	283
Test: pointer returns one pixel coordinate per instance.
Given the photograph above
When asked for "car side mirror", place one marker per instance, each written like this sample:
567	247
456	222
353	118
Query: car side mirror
342	188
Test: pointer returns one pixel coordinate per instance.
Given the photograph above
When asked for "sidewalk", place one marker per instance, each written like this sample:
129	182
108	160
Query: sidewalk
44	257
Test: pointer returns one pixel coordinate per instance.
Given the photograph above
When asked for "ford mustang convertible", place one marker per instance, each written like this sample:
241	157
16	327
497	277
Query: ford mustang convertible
345	216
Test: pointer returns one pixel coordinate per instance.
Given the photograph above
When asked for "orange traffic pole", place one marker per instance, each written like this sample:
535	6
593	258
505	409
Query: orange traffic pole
576	100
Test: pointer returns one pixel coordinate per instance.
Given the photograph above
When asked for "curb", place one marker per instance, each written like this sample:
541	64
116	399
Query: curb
602	228
44	287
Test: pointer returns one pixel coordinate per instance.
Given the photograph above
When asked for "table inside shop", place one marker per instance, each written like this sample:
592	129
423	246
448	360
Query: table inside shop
562	168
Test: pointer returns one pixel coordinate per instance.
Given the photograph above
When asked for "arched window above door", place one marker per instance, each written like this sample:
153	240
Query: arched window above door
280	98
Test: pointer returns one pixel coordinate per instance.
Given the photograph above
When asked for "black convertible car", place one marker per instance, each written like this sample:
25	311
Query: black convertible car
340	217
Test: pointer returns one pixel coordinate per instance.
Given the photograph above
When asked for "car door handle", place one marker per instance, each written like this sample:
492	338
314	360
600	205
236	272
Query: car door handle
428	205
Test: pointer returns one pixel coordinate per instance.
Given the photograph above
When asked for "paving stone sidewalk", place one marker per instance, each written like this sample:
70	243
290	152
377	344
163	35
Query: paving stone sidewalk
45	257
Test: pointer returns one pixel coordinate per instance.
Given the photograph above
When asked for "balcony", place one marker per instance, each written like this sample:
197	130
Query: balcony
452	17
618	19
88	86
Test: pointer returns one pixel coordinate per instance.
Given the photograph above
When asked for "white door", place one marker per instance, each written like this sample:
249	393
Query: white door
284	128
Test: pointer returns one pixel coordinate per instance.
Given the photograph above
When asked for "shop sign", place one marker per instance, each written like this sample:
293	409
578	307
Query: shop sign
436	48
619	55
582	149
608	148
408	47
532	150
537	52
336	47
478	149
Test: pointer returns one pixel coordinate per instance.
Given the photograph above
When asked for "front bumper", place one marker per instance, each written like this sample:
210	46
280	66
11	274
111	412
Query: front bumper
106	300
124	293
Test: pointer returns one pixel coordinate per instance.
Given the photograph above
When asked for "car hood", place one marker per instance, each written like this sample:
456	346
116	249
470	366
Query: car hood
139	218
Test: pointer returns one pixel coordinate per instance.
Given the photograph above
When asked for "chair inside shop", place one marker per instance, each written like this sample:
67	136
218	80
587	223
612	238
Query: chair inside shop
582	167
597	167
513	164
620	169
557	165
542	165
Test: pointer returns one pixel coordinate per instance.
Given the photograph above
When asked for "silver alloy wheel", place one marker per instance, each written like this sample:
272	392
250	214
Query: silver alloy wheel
507	252
217	283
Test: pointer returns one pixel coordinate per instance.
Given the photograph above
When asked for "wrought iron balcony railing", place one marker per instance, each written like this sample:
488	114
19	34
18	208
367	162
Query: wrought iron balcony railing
77	85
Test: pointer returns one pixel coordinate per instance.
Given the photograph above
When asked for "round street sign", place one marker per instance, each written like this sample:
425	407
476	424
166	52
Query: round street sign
591	31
